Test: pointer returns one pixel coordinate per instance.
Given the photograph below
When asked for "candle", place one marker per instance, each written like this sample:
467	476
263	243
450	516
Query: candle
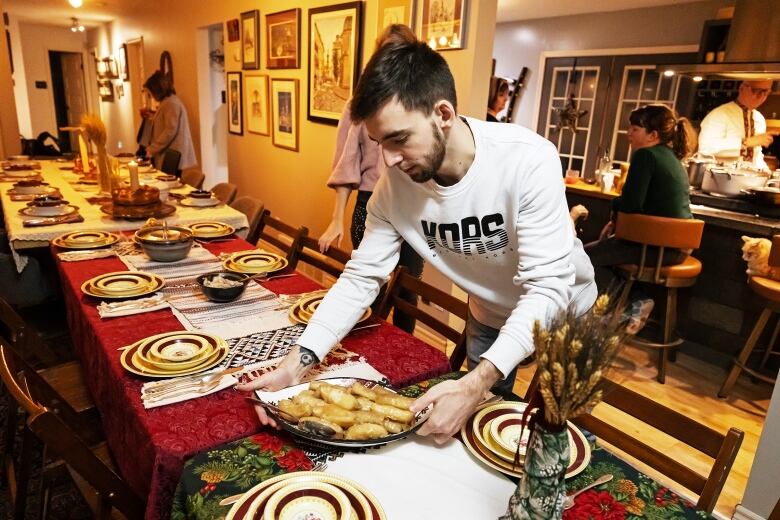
133	167
84	154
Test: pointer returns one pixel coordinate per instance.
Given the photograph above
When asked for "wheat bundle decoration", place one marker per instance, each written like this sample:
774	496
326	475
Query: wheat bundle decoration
95	131
573	355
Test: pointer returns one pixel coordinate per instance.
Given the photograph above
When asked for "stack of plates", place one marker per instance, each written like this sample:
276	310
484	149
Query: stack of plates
492	434
211	229
254	262
86	239
122	284
302	310
174	354
307	494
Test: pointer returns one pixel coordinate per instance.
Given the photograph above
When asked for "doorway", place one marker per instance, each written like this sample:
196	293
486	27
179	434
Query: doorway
212	107
136	77
70	96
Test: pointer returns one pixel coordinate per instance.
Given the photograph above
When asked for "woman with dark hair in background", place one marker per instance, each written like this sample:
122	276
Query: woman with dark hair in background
170	125
498	96
656	184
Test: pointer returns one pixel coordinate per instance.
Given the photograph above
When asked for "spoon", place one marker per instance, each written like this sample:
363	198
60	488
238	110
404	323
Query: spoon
568	502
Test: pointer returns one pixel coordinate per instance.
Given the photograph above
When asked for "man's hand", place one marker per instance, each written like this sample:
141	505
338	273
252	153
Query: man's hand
454	401
607	230
759	140
289	372
334	233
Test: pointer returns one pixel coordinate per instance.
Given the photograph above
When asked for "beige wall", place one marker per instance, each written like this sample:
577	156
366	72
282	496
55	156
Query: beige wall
292	184
9	127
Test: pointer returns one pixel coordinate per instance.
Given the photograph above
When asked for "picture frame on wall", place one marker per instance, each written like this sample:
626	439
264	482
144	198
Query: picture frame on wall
443	24
256	103
250	40
235	114
105	90
285	108
334	31
283	34
124	74
233	30
396	11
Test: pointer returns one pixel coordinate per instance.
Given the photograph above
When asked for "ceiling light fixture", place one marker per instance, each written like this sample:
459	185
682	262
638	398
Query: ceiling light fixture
76	3
668	73
75	25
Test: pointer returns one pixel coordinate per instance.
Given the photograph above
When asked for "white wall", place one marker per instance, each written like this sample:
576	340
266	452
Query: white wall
36	42
519	44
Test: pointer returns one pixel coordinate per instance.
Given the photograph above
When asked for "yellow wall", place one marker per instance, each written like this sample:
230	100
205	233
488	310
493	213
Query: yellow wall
291	184
9	127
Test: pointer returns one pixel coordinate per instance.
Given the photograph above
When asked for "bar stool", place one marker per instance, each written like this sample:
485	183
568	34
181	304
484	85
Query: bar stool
660	232
769	290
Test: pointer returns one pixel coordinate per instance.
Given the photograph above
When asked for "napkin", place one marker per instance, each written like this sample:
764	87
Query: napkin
77	256
128	307
225	381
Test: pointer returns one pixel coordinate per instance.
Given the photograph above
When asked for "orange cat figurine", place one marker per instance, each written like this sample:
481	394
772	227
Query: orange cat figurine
756	252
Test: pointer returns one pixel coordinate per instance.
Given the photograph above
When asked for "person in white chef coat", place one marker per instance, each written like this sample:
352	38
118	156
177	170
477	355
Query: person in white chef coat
737	125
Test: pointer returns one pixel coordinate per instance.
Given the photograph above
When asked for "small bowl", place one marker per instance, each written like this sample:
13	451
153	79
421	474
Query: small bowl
199	194
174	248
222	295
29	187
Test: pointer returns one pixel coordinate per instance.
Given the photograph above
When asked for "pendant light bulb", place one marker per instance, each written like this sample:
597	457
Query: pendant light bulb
76	3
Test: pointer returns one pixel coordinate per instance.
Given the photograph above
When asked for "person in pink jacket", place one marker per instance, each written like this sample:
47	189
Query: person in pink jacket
357	165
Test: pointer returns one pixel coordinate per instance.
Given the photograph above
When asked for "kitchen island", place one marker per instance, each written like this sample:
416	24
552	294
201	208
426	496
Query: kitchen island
719	311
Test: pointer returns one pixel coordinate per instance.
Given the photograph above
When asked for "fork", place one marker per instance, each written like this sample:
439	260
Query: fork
320	466
199	388
175	384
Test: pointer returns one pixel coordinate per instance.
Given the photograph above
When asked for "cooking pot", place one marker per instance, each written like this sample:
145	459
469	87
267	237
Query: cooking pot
729	181
769	194
697	167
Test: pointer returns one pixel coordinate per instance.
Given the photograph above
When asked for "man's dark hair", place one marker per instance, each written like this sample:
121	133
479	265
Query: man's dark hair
413	72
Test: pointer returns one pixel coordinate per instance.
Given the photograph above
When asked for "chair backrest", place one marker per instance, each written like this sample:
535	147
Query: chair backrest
55	430
170	162
253	209
402	280
721	448
678	233
193	177
282	236
331	261
225	192
23	339
774	253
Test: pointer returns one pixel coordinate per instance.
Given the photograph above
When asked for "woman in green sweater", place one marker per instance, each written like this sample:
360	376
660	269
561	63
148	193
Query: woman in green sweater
657	184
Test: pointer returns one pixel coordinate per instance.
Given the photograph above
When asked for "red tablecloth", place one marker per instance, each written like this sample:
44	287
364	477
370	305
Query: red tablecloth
150	446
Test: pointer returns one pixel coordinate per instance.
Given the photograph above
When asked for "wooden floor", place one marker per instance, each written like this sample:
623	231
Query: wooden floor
691	388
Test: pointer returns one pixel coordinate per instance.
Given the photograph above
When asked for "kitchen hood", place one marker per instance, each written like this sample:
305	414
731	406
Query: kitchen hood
752	49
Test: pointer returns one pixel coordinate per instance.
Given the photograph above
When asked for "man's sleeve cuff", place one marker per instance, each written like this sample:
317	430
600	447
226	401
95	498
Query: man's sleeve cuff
506	353
318	339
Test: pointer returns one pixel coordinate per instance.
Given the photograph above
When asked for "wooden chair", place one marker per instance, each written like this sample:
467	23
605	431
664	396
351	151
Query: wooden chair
193	177
68	436
721	448
253	209
660	233
282	236
26	340
769	291
170	162
401	279
225	192
331	261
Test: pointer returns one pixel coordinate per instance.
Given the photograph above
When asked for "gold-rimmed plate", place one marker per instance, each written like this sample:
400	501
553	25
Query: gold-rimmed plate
133	362
254	262
129	288
307	500
194	350
86	240
364	504
122	282
298	315
211	229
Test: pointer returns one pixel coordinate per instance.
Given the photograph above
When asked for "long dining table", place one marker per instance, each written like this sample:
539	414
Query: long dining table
150	446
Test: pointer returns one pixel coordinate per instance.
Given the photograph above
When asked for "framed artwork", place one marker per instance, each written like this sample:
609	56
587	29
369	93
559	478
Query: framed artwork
250	40
235	116
105	90
396	11
233	30
444	23
284	111
334	59
283	31
124	74
256	103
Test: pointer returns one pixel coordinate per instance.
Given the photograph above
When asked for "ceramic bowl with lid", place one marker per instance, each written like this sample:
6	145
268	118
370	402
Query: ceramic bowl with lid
47	206
31	187
163	244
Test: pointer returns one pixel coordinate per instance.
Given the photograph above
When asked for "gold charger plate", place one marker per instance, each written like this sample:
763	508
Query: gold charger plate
211	229
122	282
254	263
194	350
295	315
86	240
365	506
155	284
137	212
130	358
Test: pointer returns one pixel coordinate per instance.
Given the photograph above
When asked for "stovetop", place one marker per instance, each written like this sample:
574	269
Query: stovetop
740	204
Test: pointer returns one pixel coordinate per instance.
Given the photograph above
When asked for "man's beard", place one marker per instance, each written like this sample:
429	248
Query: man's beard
433	159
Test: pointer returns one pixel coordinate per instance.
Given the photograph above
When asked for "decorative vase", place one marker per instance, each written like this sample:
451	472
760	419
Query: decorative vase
542	489
104	171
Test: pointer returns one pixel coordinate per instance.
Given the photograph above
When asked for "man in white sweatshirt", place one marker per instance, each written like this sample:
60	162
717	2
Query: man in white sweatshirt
482	202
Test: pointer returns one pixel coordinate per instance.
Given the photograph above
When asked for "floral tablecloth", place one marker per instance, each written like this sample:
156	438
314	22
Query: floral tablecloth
236	467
